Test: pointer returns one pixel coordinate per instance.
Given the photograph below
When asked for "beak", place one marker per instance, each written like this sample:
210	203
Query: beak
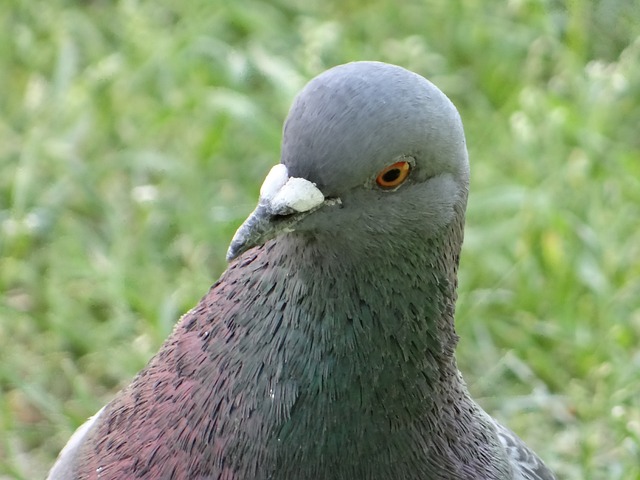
284	202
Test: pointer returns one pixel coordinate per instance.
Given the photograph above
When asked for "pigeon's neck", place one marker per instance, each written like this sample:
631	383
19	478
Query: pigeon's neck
383	318
327	349
383	311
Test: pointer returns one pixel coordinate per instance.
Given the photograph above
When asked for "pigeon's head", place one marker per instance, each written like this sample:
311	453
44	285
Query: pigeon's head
369	150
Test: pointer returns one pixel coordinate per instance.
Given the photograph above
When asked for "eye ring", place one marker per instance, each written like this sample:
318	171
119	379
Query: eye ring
393	175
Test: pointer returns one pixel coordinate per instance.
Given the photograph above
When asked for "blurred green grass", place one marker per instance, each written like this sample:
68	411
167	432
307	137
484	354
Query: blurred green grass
134	136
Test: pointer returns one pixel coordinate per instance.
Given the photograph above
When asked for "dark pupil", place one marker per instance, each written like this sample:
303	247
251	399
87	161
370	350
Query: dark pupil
391	175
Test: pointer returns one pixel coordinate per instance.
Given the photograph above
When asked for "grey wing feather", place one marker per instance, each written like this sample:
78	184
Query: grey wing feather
522	457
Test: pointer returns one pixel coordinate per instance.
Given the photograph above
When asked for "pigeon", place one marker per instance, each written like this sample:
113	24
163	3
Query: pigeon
326	350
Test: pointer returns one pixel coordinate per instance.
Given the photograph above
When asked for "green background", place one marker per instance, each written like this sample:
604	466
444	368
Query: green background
134	136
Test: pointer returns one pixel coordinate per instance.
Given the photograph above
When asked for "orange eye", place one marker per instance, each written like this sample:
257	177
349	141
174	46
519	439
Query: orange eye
393	175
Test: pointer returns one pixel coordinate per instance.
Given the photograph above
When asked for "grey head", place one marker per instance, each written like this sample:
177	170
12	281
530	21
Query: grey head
344	128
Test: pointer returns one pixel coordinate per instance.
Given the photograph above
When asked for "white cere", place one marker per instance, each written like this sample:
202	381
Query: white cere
297	194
